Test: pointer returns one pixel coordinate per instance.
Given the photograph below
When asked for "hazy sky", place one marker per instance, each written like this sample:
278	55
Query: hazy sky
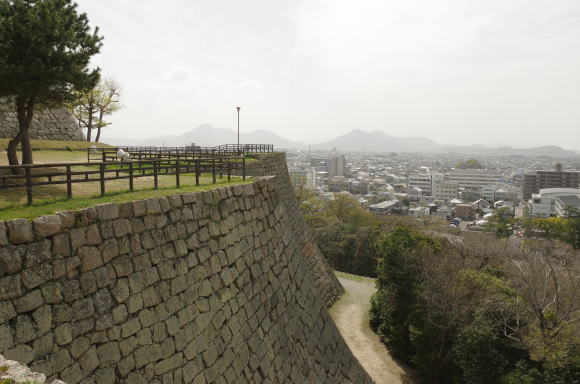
461	71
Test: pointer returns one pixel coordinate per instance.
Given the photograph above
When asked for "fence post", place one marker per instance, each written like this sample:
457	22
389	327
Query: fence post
102	177
196	166
177	172
213	165
243	167
229	171
155	165
104	155
131	176
68	183
28	185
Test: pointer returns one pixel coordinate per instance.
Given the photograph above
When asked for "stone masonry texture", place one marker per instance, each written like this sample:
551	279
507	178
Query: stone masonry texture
219	286
275	164
47	124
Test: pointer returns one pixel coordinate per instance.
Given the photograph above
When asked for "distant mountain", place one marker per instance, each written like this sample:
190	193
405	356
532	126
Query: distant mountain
377	141
356	140
549	151
208	136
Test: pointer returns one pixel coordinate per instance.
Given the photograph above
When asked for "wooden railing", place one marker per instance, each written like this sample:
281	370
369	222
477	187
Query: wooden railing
145	153
35	175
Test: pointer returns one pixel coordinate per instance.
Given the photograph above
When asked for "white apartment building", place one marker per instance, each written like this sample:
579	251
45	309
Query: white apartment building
474	178
445	191
543	204
420	180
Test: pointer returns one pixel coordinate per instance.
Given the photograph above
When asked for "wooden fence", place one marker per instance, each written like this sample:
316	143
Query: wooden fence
34	175
146	153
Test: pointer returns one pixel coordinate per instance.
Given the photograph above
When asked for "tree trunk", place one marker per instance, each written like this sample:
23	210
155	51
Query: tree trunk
25	110
11	150
90	116
24	128
99	126
26	150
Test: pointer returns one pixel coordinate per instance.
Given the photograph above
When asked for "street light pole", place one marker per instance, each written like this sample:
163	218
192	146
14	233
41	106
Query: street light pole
238	108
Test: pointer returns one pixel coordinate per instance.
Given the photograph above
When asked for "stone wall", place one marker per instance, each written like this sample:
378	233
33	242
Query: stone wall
327	283
47	124
221	286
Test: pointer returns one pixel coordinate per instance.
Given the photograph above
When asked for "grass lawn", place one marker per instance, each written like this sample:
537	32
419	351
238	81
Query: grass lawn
13	200
44	157
56	144
48	206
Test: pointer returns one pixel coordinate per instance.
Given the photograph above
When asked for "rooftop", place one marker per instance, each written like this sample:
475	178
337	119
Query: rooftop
385	204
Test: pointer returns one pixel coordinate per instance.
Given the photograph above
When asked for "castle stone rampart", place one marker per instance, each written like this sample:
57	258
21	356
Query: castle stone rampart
47	124
220	286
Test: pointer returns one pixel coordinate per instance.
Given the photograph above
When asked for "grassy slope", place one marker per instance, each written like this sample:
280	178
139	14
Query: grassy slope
50	206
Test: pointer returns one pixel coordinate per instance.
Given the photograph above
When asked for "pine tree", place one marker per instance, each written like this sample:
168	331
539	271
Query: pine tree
45	49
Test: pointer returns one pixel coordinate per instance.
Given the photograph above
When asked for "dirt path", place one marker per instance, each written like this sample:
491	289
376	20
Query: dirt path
350	314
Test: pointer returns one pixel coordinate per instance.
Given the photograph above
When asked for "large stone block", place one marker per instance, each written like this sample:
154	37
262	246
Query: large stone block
47	225
20	231
109	354
90	258
36	276
29	302
3	233
10	260
107	211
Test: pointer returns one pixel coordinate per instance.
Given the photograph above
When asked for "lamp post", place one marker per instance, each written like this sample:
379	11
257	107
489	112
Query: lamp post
238	108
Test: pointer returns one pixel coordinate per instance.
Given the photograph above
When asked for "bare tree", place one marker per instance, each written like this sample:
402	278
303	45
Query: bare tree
108	102
92	107
546	276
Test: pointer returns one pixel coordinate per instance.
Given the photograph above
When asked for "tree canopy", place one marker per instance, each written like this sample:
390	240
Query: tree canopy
45	50
469	164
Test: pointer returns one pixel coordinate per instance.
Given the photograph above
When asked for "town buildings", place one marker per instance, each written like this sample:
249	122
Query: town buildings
463	211
534	181
337	165
445	190
474	178
402	182
422	181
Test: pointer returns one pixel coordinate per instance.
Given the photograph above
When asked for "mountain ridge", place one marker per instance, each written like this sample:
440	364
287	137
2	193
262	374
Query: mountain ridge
357	140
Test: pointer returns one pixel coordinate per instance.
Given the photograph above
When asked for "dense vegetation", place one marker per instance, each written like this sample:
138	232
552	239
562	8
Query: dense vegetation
566	229
469	164
477	310
345	233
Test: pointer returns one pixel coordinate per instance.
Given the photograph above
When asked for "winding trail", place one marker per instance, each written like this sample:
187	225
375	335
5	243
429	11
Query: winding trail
350	315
